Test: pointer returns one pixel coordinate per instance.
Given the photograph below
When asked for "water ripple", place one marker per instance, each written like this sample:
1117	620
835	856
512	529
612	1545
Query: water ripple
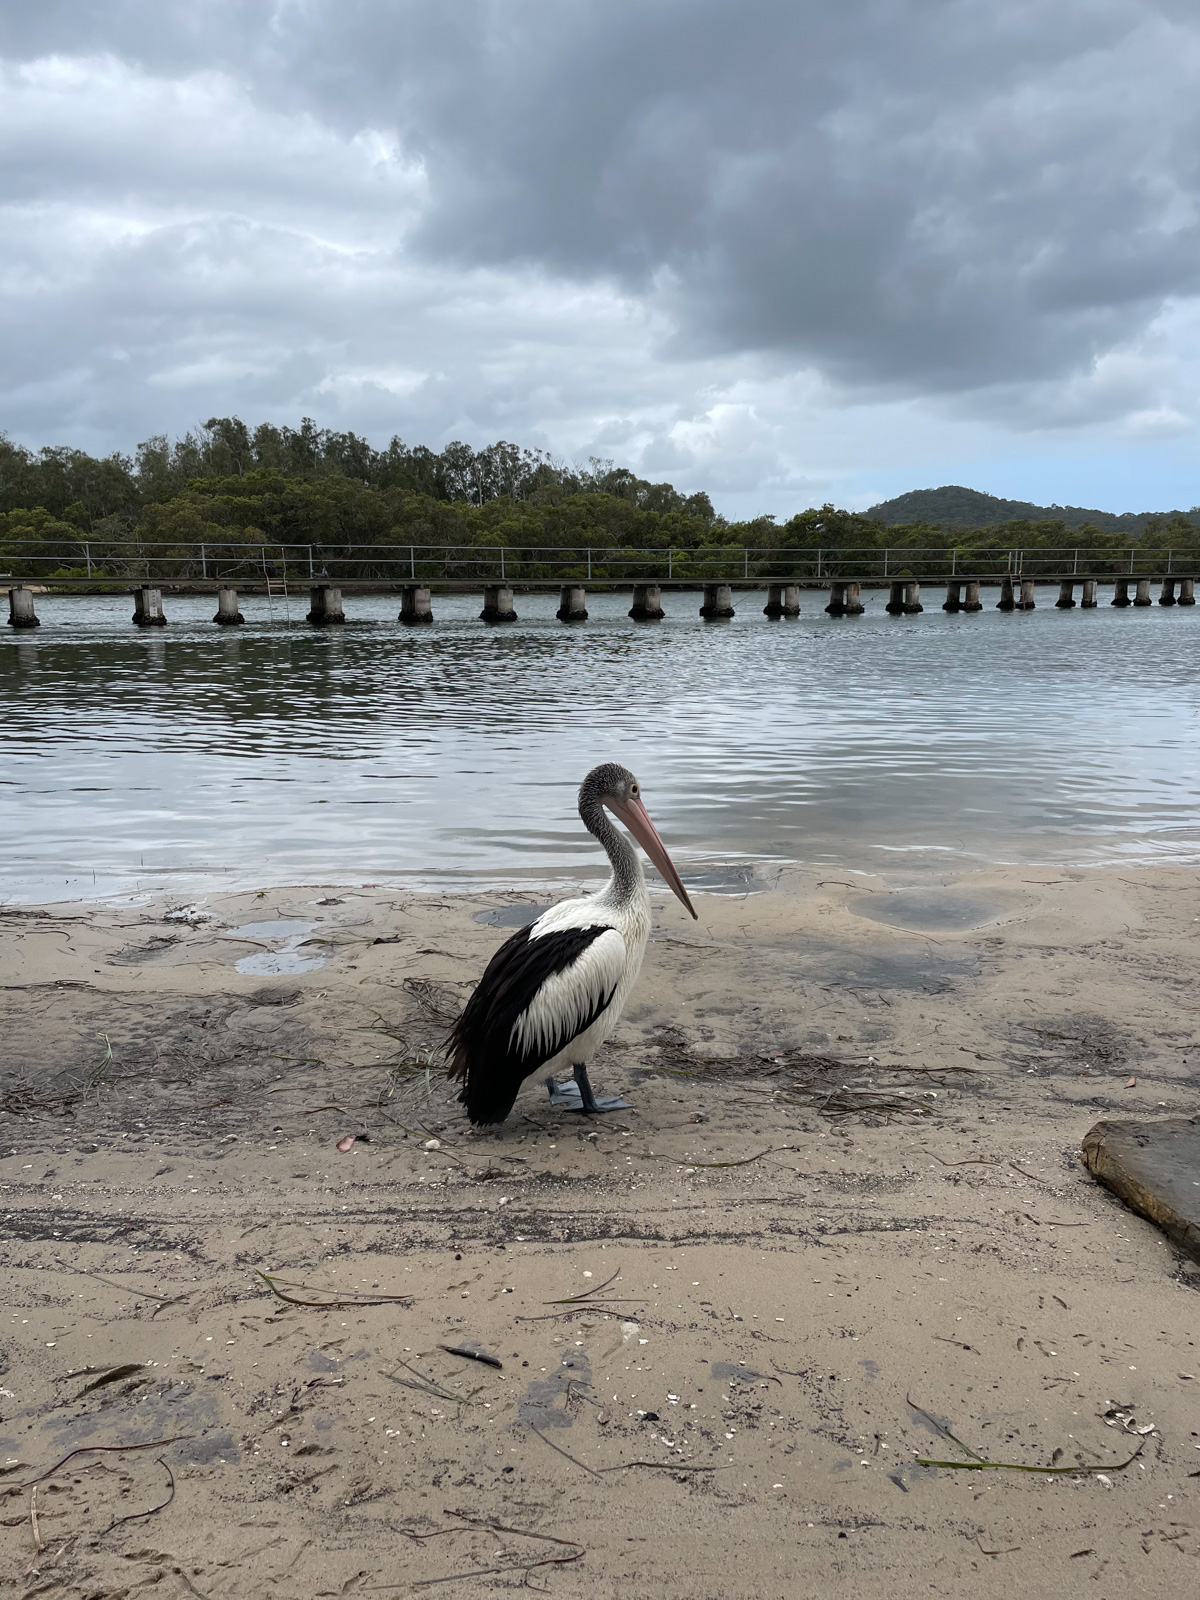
280	753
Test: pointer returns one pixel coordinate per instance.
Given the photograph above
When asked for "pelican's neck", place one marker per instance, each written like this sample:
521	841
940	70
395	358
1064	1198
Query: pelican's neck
628	883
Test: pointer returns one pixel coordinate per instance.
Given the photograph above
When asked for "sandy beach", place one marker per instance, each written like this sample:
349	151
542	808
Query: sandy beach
845	1220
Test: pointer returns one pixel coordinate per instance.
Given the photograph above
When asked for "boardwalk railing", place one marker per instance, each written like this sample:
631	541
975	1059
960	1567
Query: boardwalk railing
102	563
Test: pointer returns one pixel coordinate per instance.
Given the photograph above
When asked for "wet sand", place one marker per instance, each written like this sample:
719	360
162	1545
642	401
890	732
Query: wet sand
846	1212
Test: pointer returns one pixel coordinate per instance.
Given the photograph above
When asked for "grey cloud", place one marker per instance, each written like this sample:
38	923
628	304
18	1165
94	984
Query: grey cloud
917	195
610	224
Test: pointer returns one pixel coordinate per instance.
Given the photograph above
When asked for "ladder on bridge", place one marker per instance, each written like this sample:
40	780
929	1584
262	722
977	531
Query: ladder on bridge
277	588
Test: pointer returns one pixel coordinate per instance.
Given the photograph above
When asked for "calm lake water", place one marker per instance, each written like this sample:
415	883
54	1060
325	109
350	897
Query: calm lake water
196	757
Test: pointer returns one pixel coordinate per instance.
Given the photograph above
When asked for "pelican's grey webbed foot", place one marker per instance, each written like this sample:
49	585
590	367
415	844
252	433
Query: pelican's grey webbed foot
564	1094
578	1096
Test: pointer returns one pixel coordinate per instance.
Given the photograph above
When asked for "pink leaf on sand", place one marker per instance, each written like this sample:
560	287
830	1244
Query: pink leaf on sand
346	1143
1132	1084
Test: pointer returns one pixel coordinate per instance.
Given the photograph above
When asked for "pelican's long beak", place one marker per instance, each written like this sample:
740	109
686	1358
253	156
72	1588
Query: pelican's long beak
637	819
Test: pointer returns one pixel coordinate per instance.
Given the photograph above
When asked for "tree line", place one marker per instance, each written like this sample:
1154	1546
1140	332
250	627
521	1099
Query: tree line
230	485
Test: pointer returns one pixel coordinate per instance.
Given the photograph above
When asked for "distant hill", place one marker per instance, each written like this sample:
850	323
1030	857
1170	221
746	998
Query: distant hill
955	507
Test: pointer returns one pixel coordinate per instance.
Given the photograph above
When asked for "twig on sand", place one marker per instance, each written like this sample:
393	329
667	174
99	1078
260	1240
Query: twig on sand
665	1466
562	1452
438	1533
747	1375
1049	1182
432	999
978	1464
425	1385
107	1449
972	1161
471	1355
113	1376
340	1303
423	1133
1019	1466
945	1432
1008	1550
483	1572
744	1162
33	1518
602	1310
523	1533
587	1297
125	1288
487	1572
136	1516
953	1067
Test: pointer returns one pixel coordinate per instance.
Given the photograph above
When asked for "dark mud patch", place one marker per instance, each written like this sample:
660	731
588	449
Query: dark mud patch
917	969
136	955
510	916
926	910
1084	1044
117	1063
546	1403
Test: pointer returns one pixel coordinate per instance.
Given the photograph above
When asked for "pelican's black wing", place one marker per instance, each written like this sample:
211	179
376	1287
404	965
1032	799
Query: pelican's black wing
538	992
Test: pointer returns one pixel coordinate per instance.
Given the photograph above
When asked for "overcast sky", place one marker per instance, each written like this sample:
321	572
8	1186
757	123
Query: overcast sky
785	250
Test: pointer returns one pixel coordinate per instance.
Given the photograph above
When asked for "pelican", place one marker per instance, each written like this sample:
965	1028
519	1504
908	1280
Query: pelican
554	992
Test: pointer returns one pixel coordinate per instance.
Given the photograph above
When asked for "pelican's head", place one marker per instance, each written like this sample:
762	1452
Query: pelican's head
616	788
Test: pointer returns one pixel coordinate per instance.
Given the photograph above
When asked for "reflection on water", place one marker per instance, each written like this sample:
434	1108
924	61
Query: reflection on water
277	754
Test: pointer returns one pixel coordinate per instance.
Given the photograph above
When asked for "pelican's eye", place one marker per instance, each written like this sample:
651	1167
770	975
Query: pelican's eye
633	790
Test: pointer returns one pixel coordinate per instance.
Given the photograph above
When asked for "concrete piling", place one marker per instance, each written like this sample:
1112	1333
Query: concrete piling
1120	592
1142	594
1167	596
1187	592
1089	594
147	609
1026	602
853	600
1066	596
20	609
416	605
718	601
971	601
1006	601
228	615
497	604
325	605
572	603
783	600
837	600
904	599
953	600
647	603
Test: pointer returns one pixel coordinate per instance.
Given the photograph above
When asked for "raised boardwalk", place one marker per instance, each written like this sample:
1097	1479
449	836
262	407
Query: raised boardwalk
325	574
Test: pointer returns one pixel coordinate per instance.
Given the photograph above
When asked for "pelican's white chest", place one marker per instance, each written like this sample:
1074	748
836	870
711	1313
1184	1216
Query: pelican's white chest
633	924
630	917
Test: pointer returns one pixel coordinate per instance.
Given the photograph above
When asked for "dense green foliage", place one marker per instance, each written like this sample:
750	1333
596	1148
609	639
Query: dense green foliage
229	487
